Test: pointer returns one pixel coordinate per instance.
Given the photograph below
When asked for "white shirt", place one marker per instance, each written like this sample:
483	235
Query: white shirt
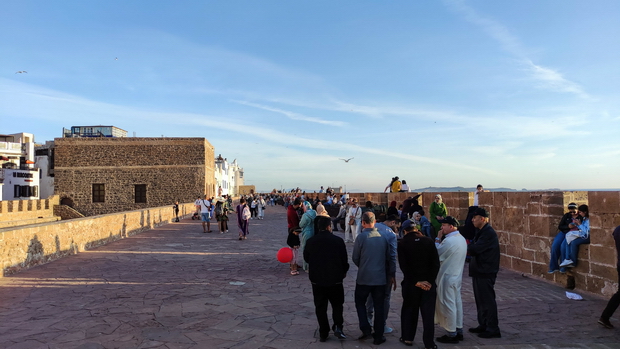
205	206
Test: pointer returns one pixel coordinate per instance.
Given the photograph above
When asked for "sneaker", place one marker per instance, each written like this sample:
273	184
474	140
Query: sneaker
605	323
566	262
388	329
552	271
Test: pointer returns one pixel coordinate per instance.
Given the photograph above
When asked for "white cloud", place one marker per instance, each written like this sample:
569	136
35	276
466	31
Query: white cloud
548	78
292	115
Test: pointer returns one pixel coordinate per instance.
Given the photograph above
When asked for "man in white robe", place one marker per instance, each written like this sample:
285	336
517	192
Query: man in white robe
452	250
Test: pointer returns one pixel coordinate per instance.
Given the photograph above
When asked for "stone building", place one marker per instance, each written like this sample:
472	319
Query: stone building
105	175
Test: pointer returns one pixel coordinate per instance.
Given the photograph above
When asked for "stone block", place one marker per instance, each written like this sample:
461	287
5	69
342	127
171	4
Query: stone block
604	201
522	266
604	271
497	218
553	210
536	243
505	261
608	221
540	269
553	198
528	255
514	250
515	220
542	226
533	208
595	284
601	254
518	199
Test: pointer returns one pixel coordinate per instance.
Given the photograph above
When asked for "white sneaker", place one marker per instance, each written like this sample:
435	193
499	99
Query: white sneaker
566	263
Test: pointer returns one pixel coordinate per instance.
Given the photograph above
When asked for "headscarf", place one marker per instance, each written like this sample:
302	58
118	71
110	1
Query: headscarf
321	211
307	206
393	204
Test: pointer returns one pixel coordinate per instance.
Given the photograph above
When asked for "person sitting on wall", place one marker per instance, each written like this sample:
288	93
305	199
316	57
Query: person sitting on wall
566	224
570	246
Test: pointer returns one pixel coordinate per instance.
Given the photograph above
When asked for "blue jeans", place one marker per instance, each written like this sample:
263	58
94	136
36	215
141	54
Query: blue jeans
570	251
556	251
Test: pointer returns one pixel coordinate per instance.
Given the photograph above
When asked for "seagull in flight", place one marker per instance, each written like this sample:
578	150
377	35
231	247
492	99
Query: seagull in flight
21	72
347	160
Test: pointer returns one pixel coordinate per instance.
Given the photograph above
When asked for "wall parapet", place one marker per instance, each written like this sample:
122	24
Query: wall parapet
28	246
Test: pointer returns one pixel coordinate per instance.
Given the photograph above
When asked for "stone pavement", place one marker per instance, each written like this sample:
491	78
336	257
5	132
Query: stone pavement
175	287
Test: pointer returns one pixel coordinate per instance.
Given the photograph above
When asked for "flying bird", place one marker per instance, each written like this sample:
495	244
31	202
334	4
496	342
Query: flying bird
347	160
21	72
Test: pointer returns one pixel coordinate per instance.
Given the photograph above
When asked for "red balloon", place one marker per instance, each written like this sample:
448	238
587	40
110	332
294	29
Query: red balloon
285	255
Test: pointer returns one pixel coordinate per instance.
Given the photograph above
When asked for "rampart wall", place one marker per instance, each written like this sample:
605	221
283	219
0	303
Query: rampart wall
28	246
526	223
21	212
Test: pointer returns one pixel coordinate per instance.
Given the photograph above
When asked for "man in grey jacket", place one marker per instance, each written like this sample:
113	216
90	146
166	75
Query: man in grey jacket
371	254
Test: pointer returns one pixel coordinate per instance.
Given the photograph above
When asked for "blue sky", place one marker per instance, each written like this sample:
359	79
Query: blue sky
519	94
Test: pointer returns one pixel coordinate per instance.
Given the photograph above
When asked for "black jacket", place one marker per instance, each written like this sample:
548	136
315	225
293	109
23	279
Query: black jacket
563	226
418	259
484	252
327	256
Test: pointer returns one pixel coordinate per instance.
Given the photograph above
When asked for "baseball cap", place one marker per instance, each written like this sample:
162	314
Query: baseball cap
480	212
408	225
450	220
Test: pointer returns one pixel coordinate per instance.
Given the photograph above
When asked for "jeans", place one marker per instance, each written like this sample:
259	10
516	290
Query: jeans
570	251
556	251
378	296
386	304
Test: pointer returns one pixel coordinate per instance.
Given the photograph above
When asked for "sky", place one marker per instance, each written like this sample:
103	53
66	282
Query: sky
517	94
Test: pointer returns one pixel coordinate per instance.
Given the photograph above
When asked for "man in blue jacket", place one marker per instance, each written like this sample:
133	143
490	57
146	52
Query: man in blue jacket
483	268
326	255
371	254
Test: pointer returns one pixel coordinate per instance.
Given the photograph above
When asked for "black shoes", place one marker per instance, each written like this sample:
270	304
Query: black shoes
459	336
478	329
338	332
487	334
605	323
365	336
447	339
378	341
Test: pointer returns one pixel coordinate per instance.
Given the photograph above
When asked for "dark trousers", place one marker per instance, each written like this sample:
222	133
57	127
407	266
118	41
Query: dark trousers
378	297
613	304
484	293
416	300
328	294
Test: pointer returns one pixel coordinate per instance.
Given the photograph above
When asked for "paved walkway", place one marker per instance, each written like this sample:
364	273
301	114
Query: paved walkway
175	287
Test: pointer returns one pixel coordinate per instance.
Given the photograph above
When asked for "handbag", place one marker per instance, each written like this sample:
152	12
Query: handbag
352	218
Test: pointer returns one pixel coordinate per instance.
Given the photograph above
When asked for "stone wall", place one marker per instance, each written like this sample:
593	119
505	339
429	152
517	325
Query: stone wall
28	246
23	212
171	168
526	224
65	212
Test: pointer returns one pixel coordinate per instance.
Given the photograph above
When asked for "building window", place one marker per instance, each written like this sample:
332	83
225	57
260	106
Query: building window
25	191
140	193
98	192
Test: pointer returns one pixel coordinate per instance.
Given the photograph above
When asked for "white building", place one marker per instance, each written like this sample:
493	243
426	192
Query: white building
228	177
19	179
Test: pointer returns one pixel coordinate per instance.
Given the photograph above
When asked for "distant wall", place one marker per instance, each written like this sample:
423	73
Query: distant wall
23	212
28	246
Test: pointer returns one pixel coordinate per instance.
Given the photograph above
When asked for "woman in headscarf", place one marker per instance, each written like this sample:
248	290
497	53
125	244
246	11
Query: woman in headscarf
392	209
307	228
243	219
437	211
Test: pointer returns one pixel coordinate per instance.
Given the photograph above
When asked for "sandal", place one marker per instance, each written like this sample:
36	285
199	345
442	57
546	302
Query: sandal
407	343
294	272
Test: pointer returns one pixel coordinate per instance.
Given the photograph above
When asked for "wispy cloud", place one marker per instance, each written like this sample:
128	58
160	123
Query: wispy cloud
548	78
293	115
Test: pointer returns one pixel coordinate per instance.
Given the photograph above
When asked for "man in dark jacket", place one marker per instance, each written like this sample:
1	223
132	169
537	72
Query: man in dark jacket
327	258
483	269
419	261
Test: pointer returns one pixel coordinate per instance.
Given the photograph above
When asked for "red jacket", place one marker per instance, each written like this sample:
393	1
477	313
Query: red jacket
292	217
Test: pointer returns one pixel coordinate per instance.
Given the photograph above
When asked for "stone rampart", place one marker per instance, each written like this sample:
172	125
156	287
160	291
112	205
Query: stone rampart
526	224
22	212
28	246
